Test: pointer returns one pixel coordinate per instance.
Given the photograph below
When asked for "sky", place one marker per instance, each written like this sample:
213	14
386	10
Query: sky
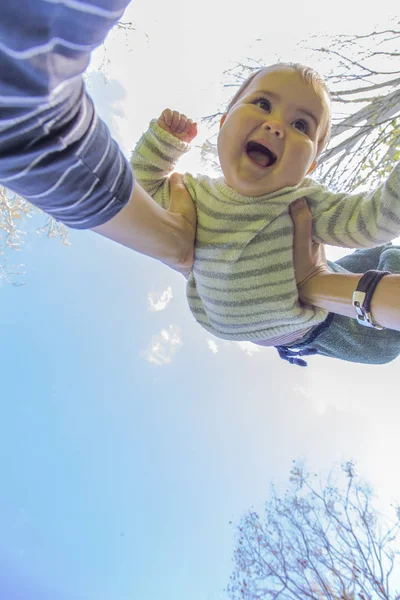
130	438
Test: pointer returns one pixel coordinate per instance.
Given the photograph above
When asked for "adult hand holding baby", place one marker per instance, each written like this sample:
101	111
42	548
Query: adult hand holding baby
318	286
309	257
182	206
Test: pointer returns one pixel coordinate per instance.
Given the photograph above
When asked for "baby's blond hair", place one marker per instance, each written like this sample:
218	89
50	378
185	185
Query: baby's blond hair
310	76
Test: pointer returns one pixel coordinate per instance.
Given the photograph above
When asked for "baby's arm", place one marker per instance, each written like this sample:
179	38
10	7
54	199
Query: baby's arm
158	150
360	220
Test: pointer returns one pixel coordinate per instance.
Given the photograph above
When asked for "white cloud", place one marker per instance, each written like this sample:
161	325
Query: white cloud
159	300
213	346
163	346
249	347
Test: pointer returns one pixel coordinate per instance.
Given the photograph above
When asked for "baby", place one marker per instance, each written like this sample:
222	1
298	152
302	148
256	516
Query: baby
242	286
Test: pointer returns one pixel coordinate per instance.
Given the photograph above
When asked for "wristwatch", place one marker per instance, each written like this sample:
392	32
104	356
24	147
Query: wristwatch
363	295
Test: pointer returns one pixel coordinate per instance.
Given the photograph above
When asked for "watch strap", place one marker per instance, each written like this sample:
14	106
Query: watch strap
362	297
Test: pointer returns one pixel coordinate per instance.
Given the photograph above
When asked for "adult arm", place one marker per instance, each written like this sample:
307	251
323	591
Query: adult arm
54	150
334	291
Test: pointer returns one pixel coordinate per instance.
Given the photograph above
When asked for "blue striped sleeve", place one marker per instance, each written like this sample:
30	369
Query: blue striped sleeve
54	150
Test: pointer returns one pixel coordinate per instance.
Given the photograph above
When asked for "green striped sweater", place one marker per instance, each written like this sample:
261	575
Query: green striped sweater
242	286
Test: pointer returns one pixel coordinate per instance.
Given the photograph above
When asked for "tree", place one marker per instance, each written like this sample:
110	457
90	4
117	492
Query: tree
366	85
14	211
327	542
364	79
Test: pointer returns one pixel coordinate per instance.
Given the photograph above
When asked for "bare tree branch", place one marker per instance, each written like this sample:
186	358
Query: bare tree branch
316	543
14	213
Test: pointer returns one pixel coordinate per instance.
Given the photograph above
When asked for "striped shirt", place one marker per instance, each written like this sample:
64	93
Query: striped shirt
243	285
54	150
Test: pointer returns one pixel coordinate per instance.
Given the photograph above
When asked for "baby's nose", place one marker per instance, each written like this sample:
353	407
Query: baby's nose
275	127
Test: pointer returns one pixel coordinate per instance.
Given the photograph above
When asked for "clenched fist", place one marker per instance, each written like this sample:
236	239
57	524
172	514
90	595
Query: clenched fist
178	125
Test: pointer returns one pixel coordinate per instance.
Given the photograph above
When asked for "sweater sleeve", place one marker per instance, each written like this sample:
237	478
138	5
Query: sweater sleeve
362	220
54	150
153	160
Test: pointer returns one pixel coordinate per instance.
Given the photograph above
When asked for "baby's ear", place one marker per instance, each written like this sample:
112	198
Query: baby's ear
313	165
222	120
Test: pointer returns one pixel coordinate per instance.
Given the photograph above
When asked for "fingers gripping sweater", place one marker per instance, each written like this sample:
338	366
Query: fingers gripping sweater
242	286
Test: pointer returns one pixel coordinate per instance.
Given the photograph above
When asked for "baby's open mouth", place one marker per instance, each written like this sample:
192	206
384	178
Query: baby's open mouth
259	154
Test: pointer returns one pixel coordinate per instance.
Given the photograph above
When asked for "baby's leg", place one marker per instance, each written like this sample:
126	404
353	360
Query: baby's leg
383	258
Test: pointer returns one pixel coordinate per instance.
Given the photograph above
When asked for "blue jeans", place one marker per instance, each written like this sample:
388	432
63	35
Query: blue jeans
344	338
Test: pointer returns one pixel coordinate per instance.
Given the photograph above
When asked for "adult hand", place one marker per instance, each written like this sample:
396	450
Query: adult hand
166	235
309	257
182	205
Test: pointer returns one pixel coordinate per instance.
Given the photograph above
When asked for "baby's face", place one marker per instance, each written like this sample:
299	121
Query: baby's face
269	138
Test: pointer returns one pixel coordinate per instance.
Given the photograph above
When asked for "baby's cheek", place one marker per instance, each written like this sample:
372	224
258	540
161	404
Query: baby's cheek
295	175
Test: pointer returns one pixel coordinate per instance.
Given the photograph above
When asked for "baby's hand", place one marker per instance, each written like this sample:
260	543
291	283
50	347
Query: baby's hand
178	125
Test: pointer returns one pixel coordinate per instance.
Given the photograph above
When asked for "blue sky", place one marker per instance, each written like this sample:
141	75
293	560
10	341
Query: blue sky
130	437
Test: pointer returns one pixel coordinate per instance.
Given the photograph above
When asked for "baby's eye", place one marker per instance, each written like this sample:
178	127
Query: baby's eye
263	103
301	125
